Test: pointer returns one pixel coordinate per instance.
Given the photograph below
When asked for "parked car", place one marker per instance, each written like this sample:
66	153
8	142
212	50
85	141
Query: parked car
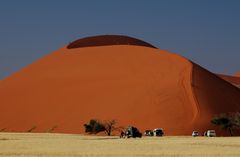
158	132
211	133
148	133
195	134
132	132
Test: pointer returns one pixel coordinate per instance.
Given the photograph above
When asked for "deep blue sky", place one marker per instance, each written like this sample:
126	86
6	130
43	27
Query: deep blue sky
205	31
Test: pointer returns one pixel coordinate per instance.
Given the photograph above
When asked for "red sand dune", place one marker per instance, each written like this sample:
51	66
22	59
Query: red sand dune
237	74
135	85
232	79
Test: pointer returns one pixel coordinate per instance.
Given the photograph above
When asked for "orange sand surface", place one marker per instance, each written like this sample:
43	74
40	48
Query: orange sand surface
135	85
237	74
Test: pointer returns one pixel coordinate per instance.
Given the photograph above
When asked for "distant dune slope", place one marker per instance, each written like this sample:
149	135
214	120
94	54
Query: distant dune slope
135	85
232	79
237	74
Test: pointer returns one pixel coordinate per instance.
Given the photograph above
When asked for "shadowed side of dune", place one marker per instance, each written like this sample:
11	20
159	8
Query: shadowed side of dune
104	40
214	96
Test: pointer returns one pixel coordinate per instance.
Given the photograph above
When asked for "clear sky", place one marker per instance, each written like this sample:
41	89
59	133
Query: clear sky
205	31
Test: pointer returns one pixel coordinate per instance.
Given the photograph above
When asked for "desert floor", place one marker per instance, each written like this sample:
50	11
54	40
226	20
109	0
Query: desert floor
67	145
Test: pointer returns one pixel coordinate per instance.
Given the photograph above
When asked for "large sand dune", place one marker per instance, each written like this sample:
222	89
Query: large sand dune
135	85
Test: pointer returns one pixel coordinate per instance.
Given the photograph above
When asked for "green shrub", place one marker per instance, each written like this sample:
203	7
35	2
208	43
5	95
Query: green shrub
228	121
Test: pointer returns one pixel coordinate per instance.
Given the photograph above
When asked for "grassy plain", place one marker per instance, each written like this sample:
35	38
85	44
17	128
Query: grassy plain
67	145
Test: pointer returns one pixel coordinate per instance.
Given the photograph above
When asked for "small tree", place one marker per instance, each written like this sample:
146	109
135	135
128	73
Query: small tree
110	126
3	129
94	127
32	128
50	130
237	120
225	121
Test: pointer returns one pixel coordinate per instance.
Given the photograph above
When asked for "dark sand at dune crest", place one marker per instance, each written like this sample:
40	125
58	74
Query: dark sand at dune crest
104	40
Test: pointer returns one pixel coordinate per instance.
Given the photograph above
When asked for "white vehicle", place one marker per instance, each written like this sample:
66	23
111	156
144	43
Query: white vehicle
195	133
211	133
158	132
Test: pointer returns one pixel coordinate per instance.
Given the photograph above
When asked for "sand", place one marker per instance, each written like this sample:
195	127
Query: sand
237	74
67	145
232	79
135	85
104	40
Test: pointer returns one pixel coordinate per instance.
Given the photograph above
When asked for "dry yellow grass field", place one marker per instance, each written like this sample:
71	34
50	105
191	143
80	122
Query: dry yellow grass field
67	145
